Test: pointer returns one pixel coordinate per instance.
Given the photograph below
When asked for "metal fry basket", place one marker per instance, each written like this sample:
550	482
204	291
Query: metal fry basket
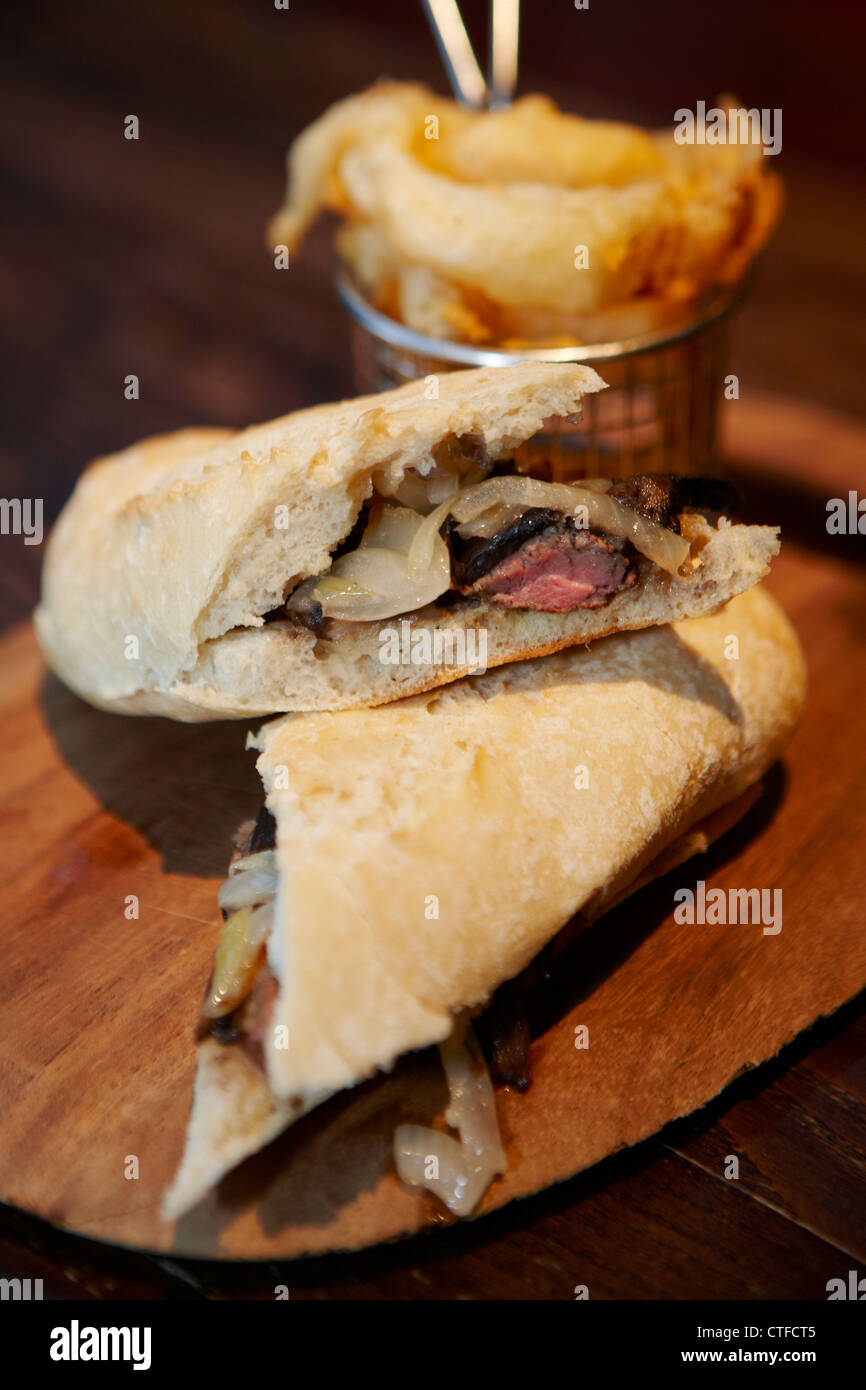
659	415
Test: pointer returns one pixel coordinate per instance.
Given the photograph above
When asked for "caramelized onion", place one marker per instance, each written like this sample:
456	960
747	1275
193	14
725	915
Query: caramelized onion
391	528
490	523
263	859
237	959
251	880
597	509
402	563
515	491
386	586
458	1173
442	485
665	548
423	545
411	491
422	494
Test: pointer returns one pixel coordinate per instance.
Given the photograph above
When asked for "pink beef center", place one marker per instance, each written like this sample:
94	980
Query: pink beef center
556	574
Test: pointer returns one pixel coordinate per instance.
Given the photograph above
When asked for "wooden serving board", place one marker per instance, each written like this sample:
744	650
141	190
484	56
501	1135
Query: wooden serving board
96	1030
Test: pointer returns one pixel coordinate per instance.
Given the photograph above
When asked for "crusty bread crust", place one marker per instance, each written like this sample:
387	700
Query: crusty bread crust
429	849
280	667
167	556
183	538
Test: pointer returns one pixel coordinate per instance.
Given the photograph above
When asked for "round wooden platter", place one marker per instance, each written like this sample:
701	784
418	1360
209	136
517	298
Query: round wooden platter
96	1032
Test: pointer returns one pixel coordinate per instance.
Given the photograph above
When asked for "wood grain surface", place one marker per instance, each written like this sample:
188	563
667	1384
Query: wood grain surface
96	1042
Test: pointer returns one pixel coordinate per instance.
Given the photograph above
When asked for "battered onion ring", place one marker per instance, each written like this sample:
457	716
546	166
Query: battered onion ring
477	233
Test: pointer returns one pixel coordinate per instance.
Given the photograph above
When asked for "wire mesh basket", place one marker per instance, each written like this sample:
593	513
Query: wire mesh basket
659	415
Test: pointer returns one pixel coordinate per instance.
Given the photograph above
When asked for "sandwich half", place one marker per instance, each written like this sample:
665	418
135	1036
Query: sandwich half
351	554
409	860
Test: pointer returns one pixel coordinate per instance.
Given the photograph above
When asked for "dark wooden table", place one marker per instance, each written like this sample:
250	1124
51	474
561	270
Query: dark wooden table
147	257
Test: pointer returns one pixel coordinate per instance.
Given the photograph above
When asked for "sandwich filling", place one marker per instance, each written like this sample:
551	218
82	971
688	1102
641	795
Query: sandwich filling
240	997
503	537
238	1007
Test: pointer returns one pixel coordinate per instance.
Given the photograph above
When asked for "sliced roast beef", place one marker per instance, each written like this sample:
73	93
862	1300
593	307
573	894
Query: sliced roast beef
541	559
471	559
558	570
